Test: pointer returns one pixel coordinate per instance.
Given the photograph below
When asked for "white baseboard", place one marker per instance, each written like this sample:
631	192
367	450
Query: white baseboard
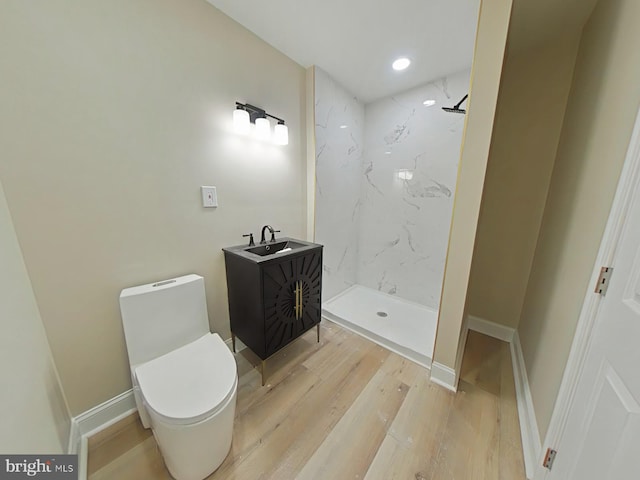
93	421
444	376
531	445
491	329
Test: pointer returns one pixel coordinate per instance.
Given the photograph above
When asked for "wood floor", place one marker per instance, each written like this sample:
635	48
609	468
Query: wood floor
347	408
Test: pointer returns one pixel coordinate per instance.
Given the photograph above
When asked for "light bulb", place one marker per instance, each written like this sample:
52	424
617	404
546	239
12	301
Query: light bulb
401	64
263	128
241	122
281	134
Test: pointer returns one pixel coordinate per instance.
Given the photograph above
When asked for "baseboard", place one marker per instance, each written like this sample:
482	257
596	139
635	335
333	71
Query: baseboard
491	329
444	376
531	445
94	420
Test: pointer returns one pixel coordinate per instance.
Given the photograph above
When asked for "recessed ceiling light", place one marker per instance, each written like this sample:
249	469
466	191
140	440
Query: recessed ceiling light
405	174
429	103
401	63
344	126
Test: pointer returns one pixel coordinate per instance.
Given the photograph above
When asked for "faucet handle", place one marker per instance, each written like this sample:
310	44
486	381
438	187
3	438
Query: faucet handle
273	235
250	235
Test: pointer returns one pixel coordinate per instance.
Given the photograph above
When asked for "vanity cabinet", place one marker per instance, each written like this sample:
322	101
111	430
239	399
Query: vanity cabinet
273	299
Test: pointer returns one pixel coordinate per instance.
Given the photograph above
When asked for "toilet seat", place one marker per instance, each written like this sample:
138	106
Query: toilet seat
191	383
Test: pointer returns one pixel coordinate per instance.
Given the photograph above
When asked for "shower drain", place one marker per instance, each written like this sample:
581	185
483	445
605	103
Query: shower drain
381	314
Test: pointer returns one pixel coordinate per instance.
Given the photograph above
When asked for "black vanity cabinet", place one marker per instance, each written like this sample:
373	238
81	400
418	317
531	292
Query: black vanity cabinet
273	299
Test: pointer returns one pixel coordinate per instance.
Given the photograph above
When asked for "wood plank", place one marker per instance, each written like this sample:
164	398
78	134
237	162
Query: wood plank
115	441
349	449
265	414
332	400
349	408
142	461
334	351
469	446
481	363
411	447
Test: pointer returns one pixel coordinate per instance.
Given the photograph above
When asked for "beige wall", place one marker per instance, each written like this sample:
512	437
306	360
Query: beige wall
603	103
531	105
113	115
35	418
491	37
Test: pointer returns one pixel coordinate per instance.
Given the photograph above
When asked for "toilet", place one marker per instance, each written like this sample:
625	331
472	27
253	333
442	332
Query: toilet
184	377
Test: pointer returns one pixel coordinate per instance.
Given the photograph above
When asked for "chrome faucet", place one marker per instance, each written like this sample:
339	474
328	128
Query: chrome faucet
271	230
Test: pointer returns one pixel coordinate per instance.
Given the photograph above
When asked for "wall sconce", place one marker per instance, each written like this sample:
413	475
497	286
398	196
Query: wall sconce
245	114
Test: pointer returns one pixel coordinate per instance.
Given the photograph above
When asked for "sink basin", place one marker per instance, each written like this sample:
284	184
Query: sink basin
271	251
275	248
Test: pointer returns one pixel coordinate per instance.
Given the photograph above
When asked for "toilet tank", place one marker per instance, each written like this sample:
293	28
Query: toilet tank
162	316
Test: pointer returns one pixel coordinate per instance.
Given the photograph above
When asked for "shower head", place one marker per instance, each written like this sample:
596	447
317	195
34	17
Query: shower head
456	108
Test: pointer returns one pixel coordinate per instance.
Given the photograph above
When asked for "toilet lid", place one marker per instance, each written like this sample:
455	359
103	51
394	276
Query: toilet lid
191	382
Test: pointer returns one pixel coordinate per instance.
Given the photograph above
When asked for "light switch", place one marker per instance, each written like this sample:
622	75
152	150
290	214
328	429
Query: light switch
209	197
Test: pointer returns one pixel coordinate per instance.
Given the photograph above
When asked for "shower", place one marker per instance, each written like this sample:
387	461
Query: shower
385	182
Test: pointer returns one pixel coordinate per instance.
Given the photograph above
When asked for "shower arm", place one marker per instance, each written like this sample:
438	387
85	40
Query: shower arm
457	106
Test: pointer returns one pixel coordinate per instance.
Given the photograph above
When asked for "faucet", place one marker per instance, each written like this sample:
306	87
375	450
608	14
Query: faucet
271	230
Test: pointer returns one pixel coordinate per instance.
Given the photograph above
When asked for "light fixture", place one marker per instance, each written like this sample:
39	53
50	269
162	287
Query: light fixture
263	128
344	126
245	114
281	134
401	63
429	103
241	122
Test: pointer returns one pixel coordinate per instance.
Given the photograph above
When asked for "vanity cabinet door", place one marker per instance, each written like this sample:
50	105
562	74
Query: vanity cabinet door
292	298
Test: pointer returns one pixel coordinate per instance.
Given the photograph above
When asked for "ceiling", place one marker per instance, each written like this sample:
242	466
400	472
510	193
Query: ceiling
537	21
355	41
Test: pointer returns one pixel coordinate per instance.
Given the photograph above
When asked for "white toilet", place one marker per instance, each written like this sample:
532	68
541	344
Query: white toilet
184	377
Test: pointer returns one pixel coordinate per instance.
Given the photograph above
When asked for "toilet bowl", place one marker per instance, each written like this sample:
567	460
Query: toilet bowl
184	377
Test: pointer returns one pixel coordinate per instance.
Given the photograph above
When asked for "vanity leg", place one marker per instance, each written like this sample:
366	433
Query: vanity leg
263	364
233	342
318	327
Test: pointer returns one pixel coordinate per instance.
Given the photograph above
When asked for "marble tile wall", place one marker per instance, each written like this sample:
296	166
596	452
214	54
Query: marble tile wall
385	186
339	145
409	173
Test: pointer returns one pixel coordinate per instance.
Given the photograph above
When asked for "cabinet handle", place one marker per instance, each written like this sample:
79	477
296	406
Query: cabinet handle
300	294
298	305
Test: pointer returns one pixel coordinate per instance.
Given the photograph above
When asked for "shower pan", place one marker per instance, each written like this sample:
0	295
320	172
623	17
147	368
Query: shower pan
404	327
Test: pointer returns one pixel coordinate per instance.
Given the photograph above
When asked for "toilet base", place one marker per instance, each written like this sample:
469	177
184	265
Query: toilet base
193	452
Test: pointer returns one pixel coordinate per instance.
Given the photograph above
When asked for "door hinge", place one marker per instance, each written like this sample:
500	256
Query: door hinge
549	458
603	280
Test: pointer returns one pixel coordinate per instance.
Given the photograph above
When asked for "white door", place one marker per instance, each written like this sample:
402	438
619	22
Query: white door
601	439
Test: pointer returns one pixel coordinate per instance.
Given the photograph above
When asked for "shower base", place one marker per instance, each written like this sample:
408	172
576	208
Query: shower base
403	327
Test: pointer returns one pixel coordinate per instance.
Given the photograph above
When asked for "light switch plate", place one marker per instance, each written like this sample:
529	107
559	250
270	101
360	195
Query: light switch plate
209	197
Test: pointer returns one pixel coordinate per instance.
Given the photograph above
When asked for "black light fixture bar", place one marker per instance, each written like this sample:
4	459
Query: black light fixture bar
257	112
